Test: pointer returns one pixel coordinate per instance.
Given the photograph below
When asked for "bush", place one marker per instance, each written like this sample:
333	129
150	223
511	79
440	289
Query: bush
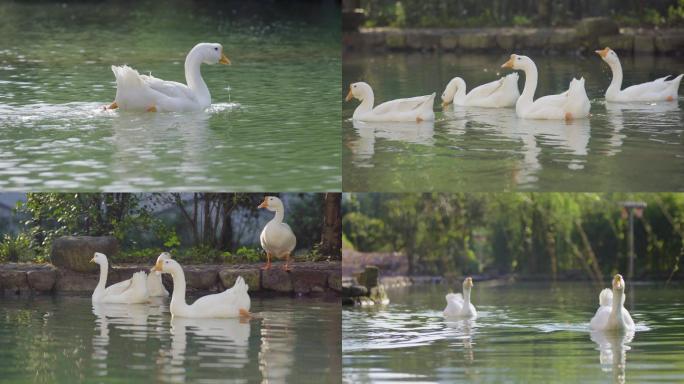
14	249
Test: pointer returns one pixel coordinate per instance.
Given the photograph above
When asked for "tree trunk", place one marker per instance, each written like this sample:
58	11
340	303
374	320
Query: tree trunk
331	236
226	237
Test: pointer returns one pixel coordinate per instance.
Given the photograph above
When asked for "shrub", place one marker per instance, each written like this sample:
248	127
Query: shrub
14	249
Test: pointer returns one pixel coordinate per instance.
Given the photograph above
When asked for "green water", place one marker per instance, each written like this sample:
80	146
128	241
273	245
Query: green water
274	123
66	339
525	333
632	147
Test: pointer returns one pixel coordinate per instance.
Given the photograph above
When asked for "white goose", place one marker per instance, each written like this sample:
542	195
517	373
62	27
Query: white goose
277	238
146	93
413	109
155	288
131	291
459	306
572	104
656	90
496	94
233	302
612	315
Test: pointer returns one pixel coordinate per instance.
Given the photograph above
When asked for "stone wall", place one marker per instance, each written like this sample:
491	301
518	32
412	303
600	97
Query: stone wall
305	278
586	37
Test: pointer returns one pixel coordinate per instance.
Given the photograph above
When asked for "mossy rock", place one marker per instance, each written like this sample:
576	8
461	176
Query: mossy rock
75	252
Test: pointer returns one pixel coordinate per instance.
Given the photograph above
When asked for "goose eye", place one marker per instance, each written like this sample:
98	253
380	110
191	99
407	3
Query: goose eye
354	86
215	48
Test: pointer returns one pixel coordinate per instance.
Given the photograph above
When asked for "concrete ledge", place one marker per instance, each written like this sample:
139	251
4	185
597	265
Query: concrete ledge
306	278
509	40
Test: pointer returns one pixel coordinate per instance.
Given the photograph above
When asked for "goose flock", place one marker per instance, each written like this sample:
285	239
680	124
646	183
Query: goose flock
277	239
503	93
610	316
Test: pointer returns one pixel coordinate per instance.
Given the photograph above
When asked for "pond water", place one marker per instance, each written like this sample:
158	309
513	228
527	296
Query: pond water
630	147
67	339
525	333
274	123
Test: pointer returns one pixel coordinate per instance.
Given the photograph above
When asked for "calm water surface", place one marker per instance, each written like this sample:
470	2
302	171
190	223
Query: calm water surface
67	339
622	147
525	333
273	123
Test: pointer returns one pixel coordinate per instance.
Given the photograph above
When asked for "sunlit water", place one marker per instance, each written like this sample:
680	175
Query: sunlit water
525	333
67	339
273	123
622	147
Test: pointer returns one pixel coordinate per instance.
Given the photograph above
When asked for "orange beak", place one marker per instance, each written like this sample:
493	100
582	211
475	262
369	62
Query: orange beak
224	59
349	95
509	63
603	52
158	266
264	204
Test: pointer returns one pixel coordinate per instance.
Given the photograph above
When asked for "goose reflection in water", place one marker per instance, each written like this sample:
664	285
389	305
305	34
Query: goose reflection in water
652	116
140	139
129	318
464	331
572	136
278	340
363	147
613	347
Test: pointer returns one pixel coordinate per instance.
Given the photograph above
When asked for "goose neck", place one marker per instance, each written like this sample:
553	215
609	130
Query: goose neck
178	295
460	95
193	77
366	104
279	215
530	82
616	81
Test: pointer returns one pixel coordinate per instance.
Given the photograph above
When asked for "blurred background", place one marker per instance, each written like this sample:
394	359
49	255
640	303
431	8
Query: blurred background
194	227
533	235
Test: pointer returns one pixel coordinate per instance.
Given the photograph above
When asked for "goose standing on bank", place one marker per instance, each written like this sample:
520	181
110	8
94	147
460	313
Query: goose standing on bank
138	92
277	238
656	90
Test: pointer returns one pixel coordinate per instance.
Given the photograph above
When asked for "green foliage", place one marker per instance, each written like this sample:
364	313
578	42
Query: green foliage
653	17
51	215
305	216
497	13
399	15
16	248
521	21
363	232
675	14
527	233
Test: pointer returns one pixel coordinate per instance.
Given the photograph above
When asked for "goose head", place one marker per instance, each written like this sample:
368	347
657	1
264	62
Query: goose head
167	266
358	91
162	256
467	283
608	55
618	283
99	258
210	53
518	62
450	90
271	203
